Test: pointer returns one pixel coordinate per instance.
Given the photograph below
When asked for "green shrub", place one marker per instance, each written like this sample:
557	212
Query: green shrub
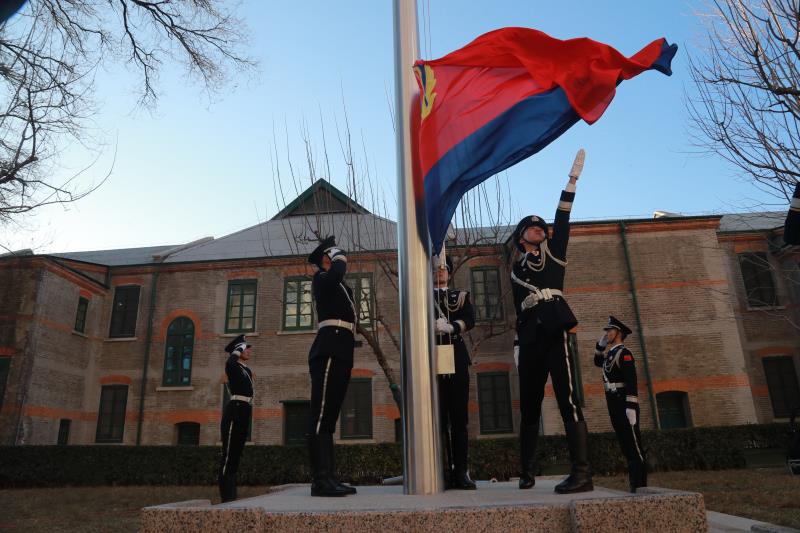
680	449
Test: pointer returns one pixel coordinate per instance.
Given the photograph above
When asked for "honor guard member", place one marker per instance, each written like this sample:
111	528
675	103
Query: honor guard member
619	382
791	229
543	320
330	361
455	316
236	416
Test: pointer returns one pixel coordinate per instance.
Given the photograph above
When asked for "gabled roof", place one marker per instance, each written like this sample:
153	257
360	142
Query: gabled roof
321	198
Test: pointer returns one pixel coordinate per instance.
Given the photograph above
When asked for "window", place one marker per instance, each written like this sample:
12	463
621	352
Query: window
178	355
226	397
782	384
494	403
363	296
486	298
357	410
575	367
673	410
111	418
297	312
5	364
63	431
758	282
241	310
80	315
295	421
123	316
188	433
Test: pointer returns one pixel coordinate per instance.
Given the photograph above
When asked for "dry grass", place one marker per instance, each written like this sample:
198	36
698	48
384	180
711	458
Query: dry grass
100	509
765	494
768	494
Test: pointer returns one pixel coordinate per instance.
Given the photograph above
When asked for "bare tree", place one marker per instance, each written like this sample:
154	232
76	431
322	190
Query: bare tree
479	229
49	53
748	83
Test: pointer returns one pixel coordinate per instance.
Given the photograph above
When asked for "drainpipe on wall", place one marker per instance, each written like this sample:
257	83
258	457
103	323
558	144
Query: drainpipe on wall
148	340
639	331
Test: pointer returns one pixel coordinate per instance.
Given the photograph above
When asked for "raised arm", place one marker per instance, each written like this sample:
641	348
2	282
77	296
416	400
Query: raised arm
560	239
335	274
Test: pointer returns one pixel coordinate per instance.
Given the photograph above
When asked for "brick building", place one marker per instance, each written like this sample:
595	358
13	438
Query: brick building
125	346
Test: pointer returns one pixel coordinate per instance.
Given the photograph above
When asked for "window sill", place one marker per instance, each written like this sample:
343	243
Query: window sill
356	440
296	332
168	388
121	339
767	308
245	333
496	435
80	334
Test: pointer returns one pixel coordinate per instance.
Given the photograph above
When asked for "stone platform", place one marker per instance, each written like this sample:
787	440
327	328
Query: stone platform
493	507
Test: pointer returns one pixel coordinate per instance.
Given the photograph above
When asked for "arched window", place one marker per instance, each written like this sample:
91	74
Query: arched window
178	355
673	409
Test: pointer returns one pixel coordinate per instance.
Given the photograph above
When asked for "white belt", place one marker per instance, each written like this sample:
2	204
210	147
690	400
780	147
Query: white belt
612	387
248	399
337	324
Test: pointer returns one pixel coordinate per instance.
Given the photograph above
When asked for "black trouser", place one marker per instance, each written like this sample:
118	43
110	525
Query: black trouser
630	439
329	363
547	355
234	428
453	410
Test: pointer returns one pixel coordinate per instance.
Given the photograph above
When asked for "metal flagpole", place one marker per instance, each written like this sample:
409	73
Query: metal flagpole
422	473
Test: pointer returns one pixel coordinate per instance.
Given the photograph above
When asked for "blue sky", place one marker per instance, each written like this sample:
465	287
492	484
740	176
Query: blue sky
196	167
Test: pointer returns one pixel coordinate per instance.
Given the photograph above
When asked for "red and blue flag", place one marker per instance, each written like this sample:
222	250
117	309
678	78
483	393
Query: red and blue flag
505	96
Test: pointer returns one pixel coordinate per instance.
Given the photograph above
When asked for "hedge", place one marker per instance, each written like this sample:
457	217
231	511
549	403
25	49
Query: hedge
711	448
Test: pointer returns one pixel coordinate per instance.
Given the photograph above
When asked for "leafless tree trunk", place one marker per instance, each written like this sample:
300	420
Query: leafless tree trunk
748	83
49	53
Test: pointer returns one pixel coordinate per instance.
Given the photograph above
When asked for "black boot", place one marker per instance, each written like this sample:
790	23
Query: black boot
637	474
332	462
579	480
528	437
321	482
461	479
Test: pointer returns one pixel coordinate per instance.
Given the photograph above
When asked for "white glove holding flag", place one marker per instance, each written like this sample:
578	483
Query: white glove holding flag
631	414
443	326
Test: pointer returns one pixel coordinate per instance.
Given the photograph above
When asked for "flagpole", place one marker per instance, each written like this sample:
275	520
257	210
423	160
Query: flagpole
422	473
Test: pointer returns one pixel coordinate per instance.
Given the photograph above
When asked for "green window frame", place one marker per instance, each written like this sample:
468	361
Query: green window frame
295	421
188	433
111	414
364	296
240	309
5	366
298	308
494	403
63	431
178	353
486	296
125	311
759	285
673	410
575	367
356	417
80	315
784	392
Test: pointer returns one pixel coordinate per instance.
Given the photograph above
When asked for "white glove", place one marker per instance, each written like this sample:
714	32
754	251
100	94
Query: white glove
443	326
631	414
529	301
603	342
516	356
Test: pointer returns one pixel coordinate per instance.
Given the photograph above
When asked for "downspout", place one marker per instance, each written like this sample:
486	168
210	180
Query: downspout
148	340
639	332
